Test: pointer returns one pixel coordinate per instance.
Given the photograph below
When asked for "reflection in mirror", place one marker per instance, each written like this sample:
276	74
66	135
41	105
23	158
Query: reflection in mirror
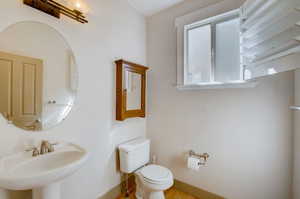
38	76
133	90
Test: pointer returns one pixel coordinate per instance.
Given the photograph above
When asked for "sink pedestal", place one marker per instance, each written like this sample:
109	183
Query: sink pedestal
51	191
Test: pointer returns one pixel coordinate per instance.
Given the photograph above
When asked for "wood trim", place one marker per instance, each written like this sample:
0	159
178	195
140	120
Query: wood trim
195	191
134	65
121	94
119	91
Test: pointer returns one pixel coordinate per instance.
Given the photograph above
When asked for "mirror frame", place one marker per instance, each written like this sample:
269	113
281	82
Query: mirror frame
121	94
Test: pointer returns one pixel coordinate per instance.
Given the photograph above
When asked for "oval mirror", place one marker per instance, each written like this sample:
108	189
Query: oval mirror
38	75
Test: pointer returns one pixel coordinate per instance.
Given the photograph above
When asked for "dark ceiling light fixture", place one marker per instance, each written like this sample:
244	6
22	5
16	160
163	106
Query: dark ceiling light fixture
55	9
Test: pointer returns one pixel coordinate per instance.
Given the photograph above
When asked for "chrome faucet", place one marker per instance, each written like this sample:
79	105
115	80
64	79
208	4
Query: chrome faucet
46	147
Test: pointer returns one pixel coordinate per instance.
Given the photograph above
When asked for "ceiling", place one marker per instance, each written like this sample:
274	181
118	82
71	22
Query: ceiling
150	7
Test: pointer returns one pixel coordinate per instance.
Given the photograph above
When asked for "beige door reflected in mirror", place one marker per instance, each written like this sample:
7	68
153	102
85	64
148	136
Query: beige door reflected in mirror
38	76
21	88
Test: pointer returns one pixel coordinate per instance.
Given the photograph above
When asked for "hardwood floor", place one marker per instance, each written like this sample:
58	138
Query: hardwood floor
176	194
170	194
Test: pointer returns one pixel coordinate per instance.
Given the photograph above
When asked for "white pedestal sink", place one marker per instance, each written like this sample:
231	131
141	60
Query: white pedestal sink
42	173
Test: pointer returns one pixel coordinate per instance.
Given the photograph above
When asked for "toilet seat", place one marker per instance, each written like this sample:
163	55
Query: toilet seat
152	181
156	174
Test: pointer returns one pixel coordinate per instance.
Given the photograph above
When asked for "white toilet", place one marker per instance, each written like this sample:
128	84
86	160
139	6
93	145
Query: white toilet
151	180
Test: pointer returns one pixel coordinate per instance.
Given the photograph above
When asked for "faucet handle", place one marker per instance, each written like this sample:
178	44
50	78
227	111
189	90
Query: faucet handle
51	146
35	151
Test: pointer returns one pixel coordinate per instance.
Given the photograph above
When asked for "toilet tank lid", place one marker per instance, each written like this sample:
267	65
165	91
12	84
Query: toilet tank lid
134	144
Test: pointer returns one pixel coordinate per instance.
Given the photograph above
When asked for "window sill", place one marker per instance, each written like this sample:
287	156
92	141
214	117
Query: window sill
216	85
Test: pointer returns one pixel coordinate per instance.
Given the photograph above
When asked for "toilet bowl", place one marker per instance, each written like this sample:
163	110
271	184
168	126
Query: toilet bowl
152	181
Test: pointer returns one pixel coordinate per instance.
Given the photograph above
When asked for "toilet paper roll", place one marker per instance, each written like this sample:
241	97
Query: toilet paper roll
193	163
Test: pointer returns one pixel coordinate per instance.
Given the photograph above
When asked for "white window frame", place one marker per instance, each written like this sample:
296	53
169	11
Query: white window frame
198	18
213	21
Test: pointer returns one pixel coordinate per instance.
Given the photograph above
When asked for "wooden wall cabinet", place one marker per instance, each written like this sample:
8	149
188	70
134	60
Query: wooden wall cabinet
131	90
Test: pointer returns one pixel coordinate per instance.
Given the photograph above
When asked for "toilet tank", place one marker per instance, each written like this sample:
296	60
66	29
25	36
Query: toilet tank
134	154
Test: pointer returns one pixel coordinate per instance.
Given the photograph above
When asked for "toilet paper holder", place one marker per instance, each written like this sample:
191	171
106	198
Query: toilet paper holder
203	156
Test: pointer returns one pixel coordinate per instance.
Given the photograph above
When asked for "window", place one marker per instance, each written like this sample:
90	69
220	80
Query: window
199	55
212	50
234	49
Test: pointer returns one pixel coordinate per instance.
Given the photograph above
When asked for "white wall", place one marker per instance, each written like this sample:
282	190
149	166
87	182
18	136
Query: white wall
296	174
247	132
114	30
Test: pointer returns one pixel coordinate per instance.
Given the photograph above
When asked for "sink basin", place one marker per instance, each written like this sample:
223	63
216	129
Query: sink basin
42	173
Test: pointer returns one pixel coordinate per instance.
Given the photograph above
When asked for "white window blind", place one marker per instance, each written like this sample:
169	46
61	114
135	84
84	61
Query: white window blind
270	37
